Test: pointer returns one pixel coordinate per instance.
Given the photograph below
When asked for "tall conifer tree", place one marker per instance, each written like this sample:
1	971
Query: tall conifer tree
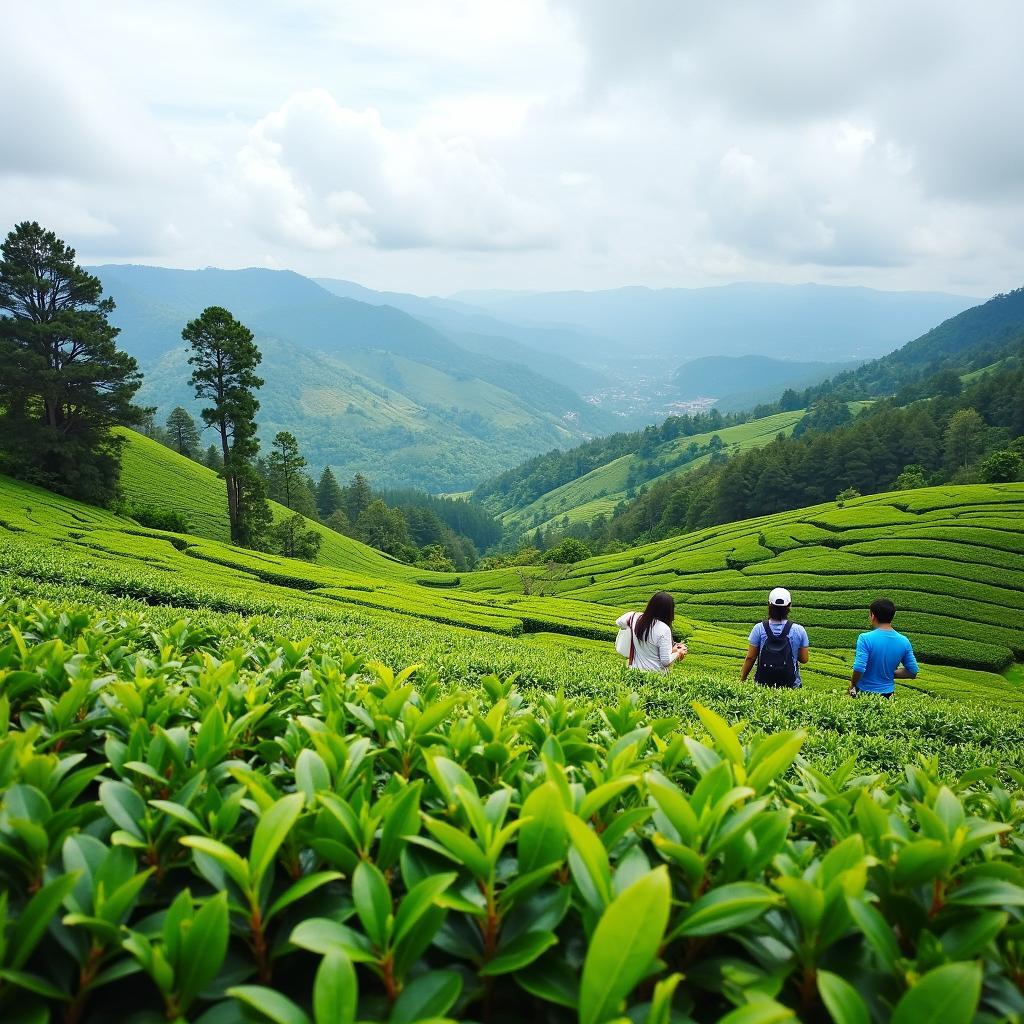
63	381
329	495
225	358
182	433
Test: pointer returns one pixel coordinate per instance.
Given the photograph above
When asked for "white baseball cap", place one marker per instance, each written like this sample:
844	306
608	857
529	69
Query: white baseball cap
780	598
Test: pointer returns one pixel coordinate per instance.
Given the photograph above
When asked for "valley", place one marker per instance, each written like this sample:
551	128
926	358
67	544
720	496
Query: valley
833	558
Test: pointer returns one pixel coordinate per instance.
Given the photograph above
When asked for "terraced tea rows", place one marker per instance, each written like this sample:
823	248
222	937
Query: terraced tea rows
719	577
951	558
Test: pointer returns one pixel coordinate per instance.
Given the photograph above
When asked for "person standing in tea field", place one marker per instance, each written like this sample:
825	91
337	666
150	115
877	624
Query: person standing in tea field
778	646
645	639
883	655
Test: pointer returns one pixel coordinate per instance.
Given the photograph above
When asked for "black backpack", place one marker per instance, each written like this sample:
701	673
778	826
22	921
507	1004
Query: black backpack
775	663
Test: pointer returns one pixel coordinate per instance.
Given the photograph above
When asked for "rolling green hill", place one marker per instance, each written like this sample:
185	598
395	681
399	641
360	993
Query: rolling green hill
600	490
154	475
931	549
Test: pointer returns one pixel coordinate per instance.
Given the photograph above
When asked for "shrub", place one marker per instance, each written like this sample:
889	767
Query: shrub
1001	467
569	551
158	518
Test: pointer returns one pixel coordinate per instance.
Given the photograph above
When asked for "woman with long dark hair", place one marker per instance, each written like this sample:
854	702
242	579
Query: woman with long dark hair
650	635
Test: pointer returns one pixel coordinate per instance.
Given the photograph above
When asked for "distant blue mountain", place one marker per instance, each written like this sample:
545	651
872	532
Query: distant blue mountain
799	322
741	382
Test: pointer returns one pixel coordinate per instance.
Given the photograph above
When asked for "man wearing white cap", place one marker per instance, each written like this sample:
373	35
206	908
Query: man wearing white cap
778	646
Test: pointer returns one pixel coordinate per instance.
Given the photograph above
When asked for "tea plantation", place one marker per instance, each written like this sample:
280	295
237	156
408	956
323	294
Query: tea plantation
203	823
237	787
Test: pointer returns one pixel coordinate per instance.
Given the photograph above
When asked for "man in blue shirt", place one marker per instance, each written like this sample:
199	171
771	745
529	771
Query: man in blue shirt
773	670
883	655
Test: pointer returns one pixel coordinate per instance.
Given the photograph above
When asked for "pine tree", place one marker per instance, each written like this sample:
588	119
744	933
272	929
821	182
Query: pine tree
213	459
224	360
182	433
284	468
338	522
963	437
329	495
358	497
385	529
63	382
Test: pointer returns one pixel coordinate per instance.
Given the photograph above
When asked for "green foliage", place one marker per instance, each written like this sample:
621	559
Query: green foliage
285	465
197	819
963	437
182	433
156	518
1003	466
329	496
569	551
433	557
63	382
385	529
910	477
825	414
224	358
292	539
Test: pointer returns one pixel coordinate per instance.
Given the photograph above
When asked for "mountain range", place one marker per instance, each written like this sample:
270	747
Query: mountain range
801	322
365	387
440	393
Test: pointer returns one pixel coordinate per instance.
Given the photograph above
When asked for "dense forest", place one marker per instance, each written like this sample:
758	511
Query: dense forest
930	365
972	436
525	483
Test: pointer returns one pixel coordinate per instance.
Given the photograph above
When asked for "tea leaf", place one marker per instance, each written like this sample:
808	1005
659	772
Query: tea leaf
945	995
626	940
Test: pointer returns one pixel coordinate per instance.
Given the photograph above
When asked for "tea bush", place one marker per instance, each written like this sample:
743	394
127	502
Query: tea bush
203	823
961	543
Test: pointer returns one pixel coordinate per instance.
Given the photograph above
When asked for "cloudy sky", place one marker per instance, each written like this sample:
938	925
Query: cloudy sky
534	144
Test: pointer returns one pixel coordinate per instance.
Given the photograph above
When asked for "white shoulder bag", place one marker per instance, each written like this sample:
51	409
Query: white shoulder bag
625	641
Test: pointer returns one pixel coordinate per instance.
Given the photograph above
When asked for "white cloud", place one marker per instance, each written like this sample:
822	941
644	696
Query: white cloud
547	143
320	175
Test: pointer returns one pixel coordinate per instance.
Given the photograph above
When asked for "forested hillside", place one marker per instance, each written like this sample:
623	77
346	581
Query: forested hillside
365	388
969	341
956	415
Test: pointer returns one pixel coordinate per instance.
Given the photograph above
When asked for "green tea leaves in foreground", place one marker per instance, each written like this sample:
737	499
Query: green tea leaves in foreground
945	995
623	946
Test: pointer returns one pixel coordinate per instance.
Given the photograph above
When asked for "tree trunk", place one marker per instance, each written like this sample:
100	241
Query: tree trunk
230	480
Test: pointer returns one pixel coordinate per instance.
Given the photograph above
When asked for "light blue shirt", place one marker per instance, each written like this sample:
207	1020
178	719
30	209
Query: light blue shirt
797	639
879	654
